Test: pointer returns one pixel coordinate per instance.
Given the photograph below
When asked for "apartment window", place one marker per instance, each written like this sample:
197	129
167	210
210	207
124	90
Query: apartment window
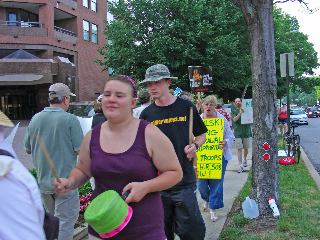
15	15
86	30
94	33
94	5
85	3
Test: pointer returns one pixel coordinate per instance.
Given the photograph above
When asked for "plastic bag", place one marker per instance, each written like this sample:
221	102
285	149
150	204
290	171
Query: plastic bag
287	161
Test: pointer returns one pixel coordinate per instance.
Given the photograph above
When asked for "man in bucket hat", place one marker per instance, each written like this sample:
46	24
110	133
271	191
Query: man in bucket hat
171	115
62	135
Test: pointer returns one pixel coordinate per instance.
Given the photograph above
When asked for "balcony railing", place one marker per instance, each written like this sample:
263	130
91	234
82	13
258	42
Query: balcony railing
20	24
62	30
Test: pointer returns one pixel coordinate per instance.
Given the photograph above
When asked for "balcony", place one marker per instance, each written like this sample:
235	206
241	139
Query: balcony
21	28
70	3
65	35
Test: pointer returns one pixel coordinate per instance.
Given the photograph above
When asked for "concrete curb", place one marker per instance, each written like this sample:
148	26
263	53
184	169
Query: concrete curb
314	174
80	232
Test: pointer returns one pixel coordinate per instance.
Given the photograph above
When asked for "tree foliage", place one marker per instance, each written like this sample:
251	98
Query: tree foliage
289	39
180	34
200	32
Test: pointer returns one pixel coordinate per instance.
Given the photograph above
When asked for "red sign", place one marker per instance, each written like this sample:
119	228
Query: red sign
266	156
266	146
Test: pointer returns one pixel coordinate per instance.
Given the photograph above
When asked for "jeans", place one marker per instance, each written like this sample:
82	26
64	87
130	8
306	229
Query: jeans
211	190
66	208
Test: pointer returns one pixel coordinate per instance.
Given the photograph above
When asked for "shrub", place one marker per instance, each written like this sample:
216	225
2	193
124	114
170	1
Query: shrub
84	202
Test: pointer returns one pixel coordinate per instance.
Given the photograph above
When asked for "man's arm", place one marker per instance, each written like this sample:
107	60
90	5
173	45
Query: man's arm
191	150
236	118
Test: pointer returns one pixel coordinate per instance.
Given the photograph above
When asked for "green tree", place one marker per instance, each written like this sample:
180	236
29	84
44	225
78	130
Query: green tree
180	34
289	39
265	174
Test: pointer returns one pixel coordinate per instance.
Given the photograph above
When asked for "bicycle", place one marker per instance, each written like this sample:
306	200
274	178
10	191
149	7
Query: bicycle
292	141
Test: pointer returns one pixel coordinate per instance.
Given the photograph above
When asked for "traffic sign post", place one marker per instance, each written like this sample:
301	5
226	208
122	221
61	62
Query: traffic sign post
287	69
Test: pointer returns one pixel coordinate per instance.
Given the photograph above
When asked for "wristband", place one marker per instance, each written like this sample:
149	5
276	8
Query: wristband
196	144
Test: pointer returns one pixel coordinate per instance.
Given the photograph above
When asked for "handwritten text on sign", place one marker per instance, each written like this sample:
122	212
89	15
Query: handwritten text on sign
209	155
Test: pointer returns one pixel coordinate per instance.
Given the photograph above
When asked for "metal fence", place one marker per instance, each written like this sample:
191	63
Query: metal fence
20	24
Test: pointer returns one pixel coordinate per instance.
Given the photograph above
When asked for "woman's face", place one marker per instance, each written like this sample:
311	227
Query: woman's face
117	100
209	109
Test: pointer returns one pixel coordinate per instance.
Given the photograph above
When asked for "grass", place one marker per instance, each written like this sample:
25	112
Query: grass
299	207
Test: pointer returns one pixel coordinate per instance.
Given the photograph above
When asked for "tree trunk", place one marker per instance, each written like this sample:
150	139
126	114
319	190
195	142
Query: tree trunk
265	174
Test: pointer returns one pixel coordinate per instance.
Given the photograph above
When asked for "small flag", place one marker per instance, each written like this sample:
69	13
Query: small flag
177	92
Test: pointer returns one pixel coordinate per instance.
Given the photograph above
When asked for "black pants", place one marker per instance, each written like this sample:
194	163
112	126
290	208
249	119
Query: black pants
182	215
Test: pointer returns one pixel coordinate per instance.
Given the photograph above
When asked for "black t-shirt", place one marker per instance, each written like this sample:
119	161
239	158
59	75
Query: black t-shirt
98	119
173	121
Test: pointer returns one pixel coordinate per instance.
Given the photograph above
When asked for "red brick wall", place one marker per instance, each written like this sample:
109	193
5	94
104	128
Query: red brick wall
89	79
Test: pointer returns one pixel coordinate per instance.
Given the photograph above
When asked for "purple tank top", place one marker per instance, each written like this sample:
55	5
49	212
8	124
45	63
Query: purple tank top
115	170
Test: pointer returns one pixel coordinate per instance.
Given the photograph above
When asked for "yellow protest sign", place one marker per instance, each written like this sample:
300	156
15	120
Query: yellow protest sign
209	155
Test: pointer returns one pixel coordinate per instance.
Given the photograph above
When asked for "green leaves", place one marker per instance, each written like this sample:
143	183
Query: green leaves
179	34
305	57
199	32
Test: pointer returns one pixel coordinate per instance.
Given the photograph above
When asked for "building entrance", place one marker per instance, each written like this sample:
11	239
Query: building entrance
18	102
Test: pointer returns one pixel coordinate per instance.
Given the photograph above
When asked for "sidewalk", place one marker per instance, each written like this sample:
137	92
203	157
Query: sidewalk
233	183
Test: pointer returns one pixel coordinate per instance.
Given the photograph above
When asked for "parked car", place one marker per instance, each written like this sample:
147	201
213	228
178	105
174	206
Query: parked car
299	115
313	112
80	109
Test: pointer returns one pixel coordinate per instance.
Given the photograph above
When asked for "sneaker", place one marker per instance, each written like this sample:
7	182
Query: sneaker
244	162
240	170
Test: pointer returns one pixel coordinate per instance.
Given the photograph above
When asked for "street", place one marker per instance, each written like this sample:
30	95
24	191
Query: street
310	138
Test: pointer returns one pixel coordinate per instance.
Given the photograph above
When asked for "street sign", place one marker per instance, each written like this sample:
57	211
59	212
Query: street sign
283	64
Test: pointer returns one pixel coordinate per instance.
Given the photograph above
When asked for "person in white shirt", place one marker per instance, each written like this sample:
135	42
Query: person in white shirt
21	211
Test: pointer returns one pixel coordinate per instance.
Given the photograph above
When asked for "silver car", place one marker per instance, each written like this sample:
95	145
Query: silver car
299	115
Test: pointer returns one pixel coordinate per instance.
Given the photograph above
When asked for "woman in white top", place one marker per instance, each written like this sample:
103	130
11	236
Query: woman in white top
211	190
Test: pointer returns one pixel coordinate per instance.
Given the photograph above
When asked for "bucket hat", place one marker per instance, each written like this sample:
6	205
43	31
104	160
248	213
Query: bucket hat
156	73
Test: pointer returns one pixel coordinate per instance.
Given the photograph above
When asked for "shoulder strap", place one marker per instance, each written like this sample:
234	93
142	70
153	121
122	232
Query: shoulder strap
4	152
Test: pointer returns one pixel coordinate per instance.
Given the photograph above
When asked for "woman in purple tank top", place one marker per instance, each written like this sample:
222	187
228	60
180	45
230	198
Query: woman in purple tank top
125	153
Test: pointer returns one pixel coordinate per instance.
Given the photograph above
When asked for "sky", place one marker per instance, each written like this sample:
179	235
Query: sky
309	23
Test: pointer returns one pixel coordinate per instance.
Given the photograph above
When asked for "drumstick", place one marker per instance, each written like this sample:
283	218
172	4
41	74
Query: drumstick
190	128
46	155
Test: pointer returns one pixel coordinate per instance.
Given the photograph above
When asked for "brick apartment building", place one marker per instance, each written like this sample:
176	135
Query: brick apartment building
48	41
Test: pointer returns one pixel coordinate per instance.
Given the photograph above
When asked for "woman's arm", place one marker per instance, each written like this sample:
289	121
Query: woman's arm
81	174
228	135
164	159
